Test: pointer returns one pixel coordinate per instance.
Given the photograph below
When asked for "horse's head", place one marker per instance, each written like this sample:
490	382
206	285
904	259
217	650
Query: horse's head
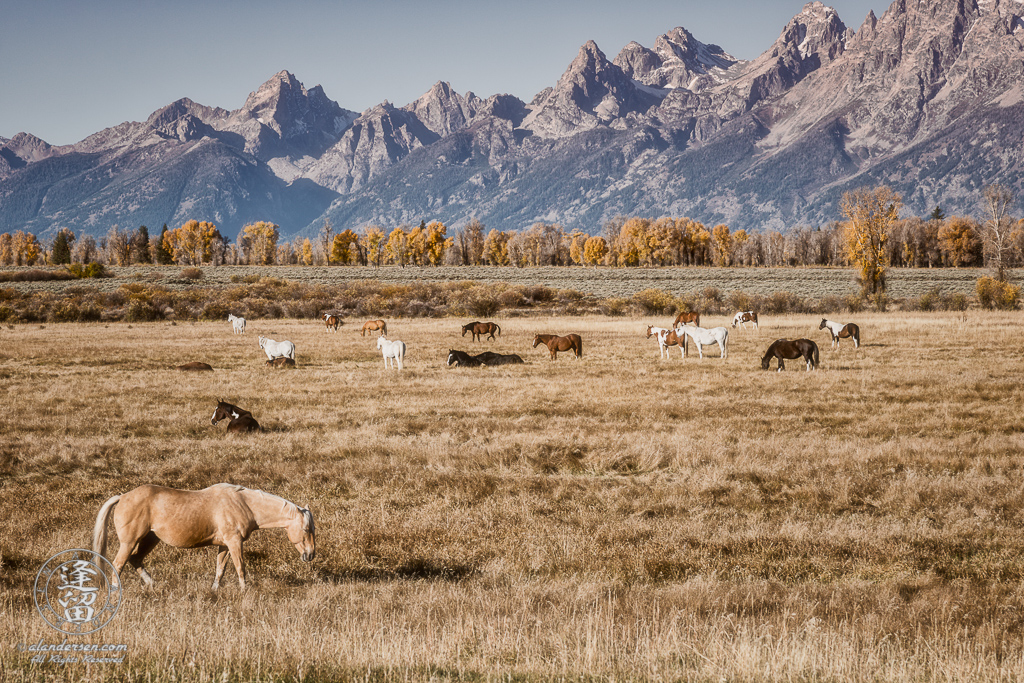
381	340
467	328
263	342
536	340
649	333
302	534
451	358
766	361
823	325
222	412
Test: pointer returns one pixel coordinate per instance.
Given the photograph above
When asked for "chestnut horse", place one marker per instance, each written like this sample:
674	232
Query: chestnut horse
241	420
570	342
223	515
332	322
841	331
480	329
687	318
371	325
791	349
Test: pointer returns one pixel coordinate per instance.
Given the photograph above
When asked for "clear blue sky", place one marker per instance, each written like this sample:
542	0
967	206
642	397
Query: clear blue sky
69	68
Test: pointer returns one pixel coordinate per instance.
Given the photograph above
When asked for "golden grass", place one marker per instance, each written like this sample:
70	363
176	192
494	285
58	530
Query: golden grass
619	517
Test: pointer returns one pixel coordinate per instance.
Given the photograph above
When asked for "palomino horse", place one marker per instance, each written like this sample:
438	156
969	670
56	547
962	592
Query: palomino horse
241	420
687	318
462	359
395	350
791	349
570	342
222	515
275	349
744	317
841	331
666	338
332	322
237	324
480	329
702	336
371	325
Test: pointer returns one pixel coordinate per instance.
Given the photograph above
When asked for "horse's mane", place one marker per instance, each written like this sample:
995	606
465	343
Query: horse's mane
285	503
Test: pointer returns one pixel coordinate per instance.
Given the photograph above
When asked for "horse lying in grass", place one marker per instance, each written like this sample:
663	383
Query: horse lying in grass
463	359
791	349
223	515
841	331
702	336
570	342
242	421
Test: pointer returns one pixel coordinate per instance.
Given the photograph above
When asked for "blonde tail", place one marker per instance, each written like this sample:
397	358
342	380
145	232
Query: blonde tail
99	532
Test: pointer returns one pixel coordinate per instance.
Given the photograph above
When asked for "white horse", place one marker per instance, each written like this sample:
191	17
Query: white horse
744	317
702	335
666	338
395	350
275	349
237	324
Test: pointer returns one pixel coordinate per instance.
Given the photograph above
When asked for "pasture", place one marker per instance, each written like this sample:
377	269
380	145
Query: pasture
615	517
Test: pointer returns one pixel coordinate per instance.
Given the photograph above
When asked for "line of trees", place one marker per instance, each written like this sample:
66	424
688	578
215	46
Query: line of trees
871	237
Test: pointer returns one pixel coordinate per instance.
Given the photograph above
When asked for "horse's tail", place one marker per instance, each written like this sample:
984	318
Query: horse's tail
499	328
579	347
856	334
814	355
99	531
384	329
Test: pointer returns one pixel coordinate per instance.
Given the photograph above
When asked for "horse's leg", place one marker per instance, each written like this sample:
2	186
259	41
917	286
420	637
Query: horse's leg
235	548
222	562
145	546
782	364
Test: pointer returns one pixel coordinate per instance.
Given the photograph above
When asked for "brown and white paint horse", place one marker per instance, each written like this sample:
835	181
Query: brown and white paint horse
666	338
744	317
223	515
242	421
332	322
841	331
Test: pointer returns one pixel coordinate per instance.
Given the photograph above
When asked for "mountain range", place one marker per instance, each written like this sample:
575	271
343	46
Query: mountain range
928	98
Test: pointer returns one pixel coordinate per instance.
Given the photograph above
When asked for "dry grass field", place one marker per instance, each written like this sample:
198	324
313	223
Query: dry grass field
615	518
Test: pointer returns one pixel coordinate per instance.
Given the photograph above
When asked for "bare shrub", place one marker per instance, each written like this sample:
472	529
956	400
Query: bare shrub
192	273
35	275
654	302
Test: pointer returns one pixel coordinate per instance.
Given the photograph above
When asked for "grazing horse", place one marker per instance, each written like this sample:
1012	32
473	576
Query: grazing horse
223	515
371	325
275	349
237	324
686	318
791	349
841	331
462	359
666	338
570	342
241	420
332	322
480	329
702	336
395	350
744	317
491	358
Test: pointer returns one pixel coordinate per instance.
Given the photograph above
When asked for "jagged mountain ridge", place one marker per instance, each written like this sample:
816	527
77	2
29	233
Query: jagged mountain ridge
927	98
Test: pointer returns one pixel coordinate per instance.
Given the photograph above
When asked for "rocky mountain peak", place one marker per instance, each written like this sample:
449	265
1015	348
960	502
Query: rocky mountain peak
678	60
444	111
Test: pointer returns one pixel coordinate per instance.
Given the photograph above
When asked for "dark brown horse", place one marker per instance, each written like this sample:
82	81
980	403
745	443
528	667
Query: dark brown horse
241	420
196	366
686	319
371	325
491	358
791	349
841	331
332	322
570	342
281	362
480	329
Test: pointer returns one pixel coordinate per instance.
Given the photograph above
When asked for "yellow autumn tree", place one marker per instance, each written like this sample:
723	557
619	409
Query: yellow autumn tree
496	248
375	241
344	249
594	250
436	242
722	241
397	247
416	244
262	239
307	252
577	244
870	215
